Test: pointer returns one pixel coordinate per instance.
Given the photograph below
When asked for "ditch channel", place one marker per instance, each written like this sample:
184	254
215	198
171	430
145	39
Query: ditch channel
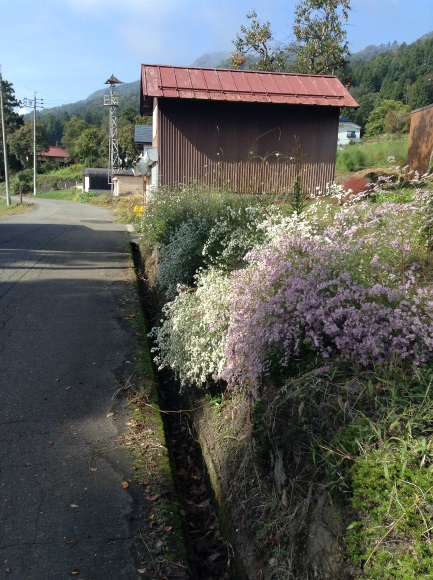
210	555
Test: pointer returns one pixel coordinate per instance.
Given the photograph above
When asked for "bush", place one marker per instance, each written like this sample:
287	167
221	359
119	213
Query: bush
358	156
323	294
190	337
23	180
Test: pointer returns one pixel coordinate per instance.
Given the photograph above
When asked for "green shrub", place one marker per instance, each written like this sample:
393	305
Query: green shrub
23	180
358	156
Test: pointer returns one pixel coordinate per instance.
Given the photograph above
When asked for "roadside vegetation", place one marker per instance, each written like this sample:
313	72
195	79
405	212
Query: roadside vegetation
319	323
14	208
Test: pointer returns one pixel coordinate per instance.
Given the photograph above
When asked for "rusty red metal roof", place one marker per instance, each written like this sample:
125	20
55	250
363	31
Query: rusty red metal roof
241	85
55	152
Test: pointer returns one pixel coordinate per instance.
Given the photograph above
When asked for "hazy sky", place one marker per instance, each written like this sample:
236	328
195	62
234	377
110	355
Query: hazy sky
66	49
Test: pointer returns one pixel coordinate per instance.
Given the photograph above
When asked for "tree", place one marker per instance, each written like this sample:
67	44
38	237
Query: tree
13	121
390	115
54	125
22	140
321	46
257	40
129	114
73	129
89	148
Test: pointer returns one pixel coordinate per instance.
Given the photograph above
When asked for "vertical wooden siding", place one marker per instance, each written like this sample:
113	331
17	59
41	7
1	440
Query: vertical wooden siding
420	154
246	147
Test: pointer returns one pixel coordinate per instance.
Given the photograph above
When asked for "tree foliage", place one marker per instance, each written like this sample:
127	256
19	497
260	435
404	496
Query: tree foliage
257	40
73	129
13	121
90	148
21	142
321	46
404	75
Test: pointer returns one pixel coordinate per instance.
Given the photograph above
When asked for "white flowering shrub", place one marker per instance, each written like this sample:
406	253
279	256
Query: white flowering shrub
233	234
190	336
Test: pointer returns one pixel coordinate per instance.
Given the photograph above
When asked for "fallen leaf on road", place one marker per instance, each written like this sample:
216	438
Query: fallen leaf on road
69	387
74	572
142	570
8	570
110	414
154	497
73	505
125	484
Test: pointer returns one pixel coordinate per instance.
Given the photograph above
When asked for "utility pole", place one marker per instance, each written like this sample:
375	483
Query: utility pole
5	149
111	101
35	103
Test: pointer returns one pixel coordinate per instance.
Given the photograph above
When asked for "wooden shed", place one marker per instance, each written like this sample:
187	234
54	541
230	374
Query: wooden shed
420	156
245	131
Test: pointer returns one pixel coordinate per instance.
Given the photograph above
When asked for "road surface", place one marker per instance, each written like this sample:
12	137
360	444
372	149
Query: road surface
64	352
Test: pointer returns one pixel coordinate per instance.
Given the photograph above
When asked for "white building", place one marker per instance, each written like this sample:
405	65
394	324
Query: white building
348	132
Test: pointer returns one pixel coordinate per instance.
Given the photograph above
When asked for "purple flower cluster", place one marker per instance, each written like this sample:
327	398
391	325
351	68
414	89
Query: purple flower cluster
296	295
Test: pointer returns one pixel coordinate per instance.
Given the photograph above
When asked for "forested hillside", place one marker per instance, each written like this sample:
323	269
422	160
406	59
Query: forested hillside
385	72
388	81
405	75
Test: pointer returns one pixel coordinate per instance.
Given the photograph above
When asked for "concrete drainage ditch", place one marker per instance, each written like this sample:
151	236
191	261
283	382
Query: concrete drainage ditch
209	553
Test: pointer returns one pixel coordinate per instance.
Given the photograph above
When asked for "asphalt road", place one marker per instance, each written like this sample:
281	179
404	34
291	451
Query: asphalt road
64	352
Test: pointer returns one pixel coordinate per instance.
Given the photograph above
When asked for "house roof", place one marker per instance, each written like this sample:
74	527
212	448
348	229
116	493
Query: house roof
143	133
55	152
104	171
241	86
347	121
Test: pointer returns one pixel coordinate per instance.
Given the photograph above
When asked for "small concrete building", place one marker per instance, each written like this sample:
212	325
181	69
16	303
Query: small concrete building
124	181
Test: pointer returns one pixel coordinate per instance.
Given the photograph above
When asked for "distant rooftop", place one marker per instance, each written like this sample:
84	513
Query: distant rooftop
55	152
143	133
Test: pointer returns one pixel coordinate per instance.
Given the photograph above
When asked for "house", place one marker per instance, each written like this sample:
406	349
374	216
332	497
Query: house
143	138
420	155
348	132
56	155
244	131
143	135
124	181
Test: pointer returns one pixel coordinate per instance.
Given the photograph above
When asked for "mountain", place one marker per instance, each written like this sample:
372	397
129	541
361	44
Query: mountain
373	50
211	60
385	71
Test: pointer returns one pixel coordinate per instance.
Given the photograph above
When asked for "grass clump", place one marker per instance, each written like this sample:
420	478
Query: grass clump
358	156
392	480
14	208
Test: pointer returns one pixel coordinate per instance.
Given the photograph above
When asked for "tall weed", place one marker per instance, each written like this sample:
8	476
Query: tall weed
358	156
